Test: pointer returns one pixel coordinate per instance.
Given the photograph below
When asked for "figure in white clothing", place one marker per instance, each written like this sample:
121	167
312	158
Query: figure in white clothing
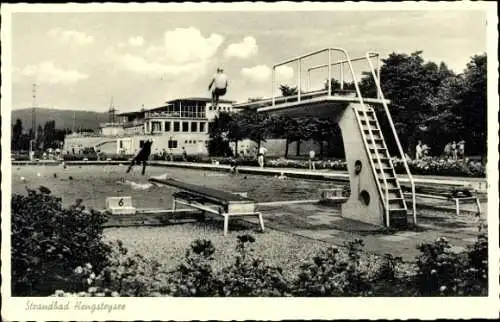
260	156
312	165
218	85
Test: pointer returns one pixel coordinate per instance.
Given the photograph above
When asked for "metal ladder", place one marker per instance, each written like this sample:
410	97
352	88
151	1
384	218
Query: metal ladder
383	169
380	94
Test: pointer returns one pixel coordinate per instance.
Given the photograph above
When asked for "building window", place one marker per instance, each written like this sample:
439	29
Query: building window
185	126
141	143
176	126
194	126
155	126
202	127
121	144
172	144
185	141
167	126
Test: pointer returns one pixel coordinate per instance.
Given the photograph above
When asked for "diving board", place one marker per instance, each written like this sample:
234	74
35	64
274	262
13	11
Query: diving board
218	202
376	194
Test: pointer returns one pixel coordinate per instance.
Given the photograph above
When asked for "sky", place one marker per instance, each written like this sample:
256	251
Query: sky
82	60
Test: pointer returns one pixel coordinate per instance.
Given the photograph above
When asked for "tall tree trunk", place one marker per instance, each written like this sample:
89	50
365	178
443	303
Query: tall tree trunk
286	147
297	152
321	149
236	154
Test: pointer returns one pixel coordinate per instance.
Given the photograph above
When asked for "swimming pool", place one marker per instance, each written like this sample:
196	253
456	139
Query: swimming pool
94	183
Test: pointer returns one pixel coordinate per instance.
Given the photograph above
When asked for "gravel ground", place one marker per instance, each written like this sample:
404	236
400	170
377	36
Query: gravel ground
168	244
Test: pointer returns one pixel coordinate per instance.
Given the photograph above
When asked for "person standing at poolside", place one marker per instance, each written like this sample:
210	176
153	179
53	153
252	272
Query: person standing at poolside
218	85
260	156
418	151
461	149
184	154
312	165
454	150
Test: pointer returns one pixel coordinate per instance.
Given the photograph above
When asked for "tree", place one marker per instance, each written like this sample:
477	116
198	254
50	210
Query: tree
39	137
408	82
17	132
287	90
255	126
49	135
336	85
473	107
218	130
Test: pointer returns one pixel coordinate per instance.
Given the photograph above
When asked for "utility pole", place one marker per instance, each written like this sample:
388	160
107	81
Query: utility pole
112	111
33	112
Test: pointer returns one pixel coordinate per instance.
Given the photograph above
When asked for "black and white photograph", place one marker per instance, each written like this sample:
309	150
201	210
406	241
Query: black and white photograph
250	161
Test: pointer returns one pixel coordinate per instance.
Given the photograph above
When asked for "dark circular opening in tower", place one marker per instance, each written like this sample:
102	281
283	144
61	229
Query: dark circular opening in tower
364	196
357	167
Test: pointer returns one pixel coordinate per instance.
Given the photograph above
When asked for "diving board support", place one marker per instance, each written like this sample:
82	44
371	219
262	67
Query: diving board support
217	202
218	211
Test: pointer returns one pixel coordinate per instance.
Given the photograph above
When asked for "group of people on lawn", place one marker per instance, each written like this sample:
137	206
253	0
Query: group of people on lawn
452	150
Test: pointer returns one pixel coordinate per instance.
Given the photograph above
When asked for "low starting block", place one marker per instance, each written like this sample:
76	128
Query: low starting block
120	205
336	195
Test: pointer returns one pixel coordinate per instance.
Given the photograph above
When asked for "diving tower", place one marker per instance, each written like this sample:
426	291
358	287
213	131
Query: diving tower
376	194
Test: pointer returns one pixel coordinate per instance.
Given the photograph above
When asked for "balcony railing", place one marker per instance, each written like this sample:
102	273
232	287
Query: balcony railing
186	114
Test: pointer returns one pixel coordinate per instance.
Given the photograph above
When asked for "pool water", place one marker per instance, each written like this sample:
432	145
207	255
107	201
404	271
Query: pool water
94	183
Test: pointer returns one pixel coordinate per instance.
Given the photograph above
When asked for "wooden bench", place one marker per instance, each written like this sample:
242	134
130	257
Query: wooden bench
120	205
225	204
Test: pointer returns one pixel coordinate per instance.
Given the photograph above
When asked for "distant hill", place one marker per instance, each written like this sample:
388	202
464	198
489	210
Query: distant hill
63	118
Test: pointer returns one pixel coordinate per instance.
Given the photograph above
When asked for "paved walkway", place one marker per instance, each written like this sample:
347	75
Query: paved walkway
325	223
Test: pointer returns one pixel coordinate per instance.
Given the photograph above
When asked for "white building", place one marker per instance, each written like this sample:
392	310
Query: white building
180	123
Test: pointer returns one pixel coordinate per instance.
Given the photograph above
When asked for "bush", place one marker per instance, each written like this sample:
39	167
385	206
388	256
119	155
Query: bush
331	273
80	157
442	167
49	241
195	276
442	272
250	275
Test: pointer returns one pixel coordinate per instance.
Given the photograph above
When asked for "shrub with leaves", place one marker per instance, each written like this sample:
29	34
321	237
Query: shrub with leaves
132	274
442	272
49	241
250	275
195	275
333	273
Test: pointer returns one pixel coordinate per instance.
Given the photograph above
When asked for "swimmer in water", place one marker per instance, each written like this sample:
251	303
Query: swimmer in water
142	157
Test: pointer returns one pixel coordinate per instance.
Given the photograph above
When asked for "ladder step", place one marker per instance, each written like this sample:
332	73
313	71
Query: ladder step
383	169
397	209
380	149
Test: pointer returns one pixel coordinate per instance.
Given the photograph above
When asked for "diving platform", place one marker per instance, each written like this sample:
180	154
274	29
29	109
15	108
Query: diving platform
376	195
310	104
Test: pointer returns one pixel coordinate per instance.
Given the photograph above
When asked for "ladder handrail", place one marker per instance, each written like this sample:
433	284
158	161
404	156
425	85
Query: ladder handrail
393	128
361	101
390	160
